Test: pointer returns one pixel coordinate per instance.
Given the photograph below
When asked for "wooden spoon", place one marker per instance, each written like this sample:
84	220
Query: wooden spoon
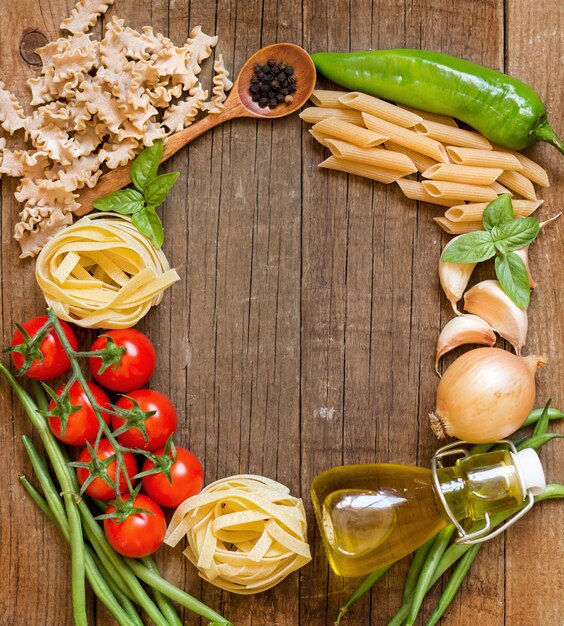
238	104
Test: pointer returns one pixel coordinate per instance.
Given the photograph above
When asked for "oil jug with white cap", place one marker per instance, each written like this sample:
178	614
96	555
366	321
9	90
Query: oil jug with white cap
372	515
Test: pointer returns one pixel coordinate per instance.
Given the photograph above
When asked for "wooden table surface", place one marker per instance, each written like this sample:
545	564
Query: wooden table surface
302	333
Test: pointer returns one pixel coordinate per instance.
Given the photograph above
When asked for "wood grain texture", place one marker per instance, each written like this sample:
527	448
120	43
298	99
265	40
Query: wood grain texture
302	333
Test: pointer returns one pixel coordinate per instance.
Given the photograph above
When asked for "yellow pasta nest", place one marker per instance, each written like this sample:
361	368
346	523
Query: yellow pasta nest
102	273
245	533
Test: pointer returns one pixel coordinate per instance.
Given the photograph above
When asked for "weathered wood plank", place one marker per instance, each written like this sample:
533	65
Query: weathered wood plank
302	333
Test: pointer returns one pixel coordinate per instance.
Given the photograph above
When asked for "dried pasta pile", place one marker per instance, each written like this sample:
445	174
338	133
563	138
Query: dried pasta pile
96	103
101	272
460	169
245	533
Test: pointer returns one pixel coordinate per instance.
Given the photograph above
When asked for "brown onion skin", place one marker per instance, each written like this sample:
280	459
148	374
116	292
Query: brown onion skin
485	395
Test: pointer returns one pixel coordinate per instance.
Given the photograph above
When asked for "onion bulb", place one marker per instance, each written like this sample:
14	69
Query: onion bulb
485	395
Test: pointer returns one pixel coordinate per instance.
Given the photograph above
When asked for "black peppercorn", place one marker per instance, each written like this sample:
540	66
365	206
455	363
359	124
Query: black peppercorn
272	83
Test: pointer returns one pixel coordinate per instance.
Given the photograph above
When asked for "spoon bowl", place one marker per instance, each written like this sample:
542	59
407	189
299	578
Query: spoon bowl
304	71
239	103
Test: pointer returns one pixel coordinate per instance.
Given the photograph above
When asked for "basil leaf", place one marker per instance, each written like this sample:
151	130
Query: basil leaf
513	277
147	221
158	188
498	211
470	248
124	201
516	234
144	167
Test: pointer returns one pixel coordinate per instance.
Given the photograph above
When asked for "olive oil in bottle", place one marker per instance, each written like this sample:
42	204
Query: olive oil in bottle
373	515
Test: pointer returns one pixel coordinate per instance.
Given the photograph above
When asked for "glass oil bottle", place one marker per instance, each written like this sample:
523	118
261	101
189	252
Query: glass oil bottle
373	515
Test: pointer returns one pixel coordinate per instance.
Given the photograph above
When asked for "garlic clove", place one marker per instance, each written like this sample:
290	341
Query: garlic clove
454	278
523	253
462	330
488	301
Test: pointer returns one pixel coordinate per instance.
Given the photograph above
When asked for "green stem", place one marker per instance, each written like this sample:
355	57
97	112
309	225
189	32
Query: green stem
545	133
175	594
363	588
166	607
419	559
95	576
536	414
124	601
454	583
436	552
76	538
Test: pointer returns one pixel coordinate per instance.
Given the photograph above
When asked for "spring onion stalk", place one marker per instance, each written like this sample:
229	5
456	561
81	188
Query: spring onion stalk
365	586
433	558
164	604
95	576
454	583
76	540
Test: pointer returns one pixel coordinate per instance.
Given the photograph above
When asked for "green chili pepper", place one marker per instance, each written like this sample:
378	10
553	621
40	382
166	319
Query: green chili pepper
502	108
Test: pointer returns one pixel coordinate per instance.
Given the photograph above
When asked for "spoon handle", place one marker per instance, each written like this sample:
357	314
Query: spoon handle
118	178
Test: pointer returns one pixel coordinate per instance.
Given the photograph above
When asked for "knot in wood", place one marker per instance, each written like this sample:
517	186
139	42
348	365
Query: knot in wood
29	44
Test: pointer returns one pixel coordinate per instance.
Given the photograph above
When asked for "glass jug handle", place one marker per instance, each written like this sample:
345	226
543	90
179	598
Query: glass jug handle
482	534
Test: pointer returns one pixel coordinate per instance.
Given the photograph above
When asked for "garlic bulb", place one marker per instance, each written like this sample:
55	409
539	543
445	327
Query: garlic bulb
462	330
488	301
485	395
454	277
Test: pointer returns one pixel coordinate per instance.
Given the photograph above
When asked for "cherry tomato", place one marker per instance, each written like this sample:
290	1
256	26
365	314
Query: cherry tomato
140	534
159	426
136	366
99	488
55	361
82	425
187	476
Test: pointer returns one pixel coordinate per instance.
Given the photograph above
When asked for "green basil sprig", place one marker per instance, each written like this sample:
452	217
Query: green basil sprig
502	235
150	191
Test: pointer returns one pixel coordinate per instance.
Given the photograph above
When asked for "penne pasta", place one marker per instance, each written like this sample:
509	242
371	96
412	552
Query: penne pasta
458	228
380	108
312	115
327	98
350	132
432	117
483	158
421	161
360	169
519	184
371	156
474	211
463	174
319	137
499	189
531	170
413	190
408	138
460	191
453	136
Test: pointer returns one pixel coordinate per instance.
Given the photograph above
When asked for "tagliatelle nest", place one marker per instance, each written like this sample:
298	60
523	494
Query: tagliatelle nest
101	272
97	103
245	533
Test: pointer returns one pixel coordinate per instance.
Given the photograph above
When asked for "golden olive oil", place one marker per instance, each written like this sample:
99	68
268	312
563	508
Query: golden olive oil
372	515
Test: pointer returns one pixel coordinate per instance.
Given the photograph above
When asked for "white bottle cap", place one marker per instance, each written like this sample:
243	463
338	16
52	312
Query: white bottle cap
530	471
